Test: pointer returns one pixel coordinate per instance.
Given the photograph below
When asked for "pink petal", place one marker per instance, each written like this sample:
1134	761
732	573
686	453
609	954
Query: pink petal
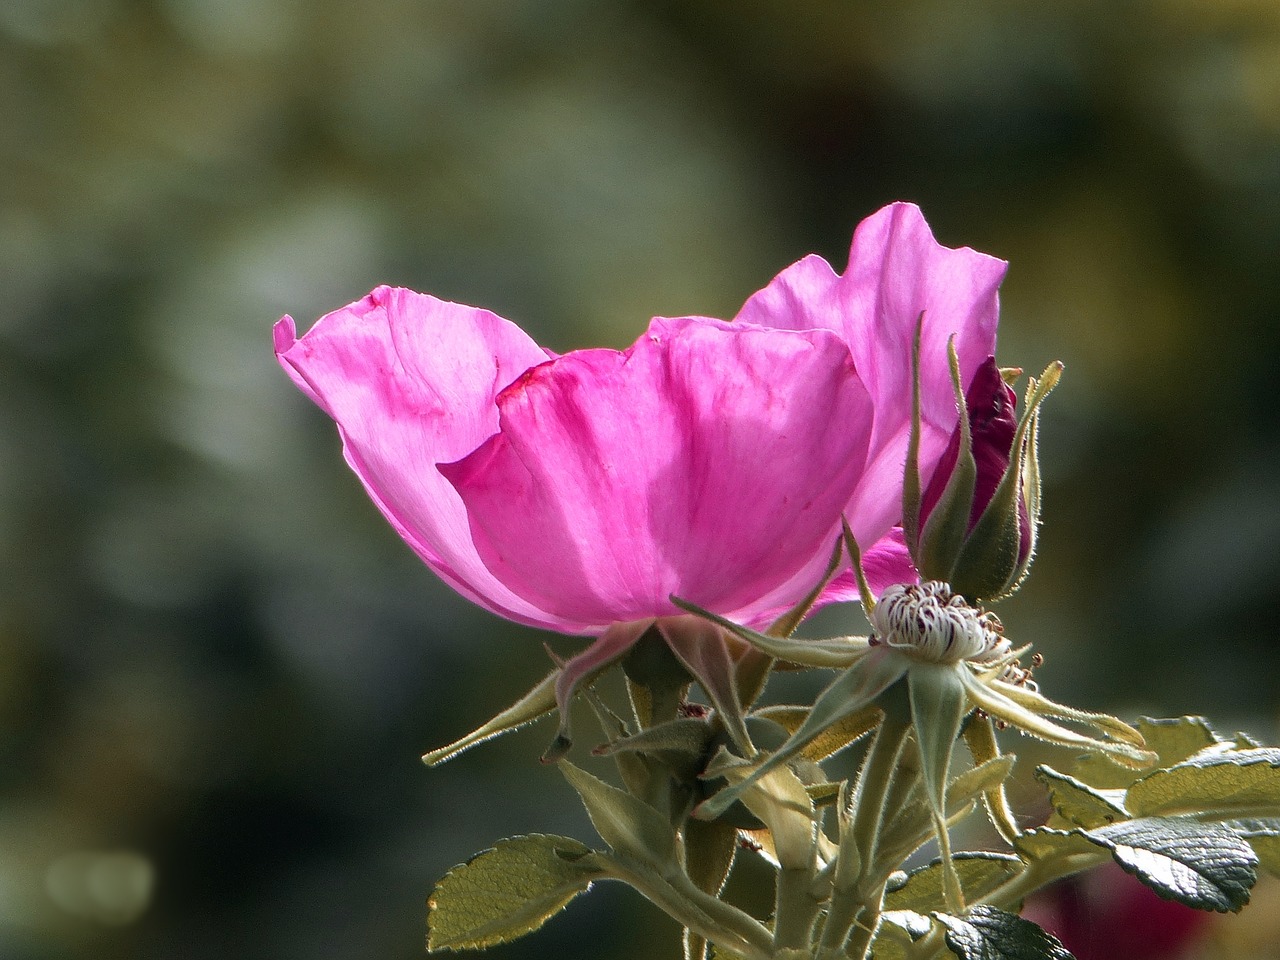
411	382
896	272
709	460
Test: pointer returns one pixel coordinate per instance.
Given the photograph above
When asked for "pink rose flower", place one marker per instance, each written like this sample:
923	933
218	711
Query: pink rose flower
711	460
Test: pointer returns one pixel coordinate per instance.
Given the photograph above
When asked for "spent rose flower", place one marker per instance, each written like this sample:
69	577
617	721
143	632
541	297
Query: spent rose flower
711	460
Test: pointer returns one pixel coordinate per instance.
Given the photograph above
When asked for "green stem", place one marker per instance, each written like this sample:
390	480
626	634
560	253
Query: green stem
795	909
852	904
864	929
877	778
707	916
740	923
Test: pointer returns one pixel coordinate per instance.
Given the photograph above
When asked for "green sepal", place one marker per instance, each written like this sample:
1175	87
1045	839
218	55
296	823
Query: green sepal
582	669
1031	500
712	656
979	872
985	933
675	741
943	538
537	703
1027	710
507	891
781	802
939	703
640	773
855	561
627	824
836	652
786	624
849	693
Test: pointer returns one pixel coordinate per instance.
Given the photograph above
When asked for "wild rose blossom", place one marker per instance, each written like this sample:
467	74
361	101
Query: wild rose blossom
710	460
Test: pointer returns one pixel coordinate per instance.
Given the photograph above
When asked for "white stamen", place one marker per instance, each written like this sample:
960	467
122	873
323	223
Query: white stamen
933	624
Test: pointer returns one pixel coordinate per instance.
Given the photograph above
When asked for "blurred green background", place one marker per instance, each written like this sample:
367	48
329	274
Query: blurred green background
218	666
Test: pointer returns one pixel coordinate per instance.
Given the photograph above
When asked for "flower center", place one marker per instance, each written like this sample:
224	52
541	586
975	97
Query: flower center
929	622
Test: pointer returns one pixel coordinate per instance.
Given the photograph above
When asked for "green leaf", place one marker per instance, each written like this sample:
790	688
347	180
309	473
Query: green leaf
1045	844
824	794
1267	847
1238	783
1249	827
980	737
985	933
538	702
1176	739
900	929
1078	803
831	740
978	780
1203	865
979	872
627	824
1173	741
507	891
710	847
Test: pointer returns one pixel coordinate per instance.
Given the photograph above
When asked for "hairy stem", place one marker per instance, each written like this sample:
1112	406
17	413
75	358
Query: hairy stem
709	917
856	906
795	909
